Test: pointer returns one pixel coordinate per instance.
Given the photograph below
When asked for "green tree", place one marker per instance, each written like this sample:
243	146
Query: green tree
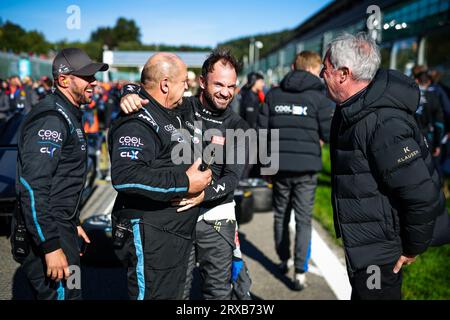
124	31
104	35
11	37
35	42
14	38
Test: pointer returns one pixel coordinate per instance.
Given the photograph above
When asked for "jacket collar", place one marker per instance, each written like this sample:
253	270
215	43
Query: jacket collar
358	106
153	103
208	112
69	106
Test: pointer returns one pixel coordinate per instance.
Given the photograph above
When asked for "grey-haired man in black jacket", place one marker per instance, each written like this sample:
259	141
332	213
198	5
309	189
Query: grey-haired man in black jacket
385	189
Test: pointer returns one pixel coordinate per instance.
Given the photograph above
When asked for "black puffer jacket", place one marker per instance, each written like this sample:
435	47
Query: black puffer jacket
386	192
302	113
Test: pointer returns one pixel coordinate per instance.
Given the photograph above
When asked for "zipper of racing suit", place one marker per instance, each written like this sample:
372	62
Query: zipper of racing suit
84	180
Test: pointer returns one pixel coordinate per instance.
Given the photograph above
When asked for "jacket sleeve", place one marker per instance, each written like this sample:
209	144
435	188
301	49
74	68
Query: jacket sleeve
134	153
399	164
232	171
40	151
325	114
130	88
226	184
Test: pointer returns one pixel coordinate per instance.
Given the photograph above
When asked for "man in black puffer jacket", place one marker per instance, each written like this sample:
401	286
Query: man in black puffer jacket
302	113
385	189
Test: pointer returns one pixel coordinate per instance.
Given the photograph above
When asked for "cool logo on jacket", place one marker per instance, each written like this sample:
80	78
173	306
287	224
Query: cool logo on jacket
52	140
51	135
131	145
130	141
295	110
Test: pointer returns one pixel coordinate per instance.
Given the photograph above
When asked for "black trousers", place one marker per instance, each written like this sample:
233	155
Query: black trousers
390	284
156	260
35	268
297	193
213	251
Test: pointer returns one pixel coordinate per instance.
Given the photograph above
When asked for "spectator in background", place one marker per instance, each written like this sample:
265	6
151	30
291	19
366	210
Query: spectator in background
439	90
18	100
44	87
302	113
112	108
4	101
250	99
234	105
192	85
90	113
30	88
429	116
442	93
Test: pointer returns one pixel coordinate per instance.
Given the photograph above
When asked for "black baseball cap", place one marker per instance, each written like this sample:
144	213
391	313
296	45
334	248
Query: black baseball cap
75	61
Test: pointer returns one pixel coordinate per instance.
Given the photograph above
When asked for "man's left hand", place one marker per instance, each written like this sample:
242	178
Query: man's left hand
404	259
189	202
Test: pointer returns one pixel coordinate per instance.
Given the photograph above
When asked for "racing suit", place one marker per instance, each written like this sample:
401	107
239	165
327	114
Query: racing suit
216	242
51	173
146	177
216	245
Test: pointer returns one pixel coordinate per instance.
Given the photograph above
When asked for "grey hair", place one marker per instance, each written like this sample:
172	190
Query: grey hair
359	53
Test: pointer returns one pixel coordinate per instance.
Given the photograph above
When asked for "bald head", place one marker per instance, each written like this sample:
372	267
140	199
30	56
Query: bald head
161	66
165	78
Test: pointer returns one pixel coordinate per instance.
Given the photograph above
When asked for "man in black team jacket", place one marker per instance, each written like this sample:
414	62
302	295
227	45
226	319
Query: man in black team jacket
216	230
51	172
302	113
385	190
157	239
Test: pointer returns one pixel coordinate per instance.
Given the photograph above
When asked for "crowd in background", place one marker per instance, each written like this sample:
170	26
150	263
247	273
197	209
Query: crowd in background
21	95
433	113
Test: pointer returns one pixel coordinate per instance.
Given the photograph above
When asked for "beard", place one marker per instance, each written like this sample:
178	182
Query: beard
81	96
210	101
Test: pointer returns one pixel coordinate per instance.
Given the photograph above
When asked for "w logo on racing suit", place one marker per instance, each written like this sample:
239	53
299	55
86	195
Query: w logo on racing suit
220	187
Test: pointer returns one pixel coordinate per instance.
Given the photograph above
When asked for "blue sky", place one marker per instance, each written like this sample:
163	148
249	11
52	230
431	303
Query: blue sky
195	22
